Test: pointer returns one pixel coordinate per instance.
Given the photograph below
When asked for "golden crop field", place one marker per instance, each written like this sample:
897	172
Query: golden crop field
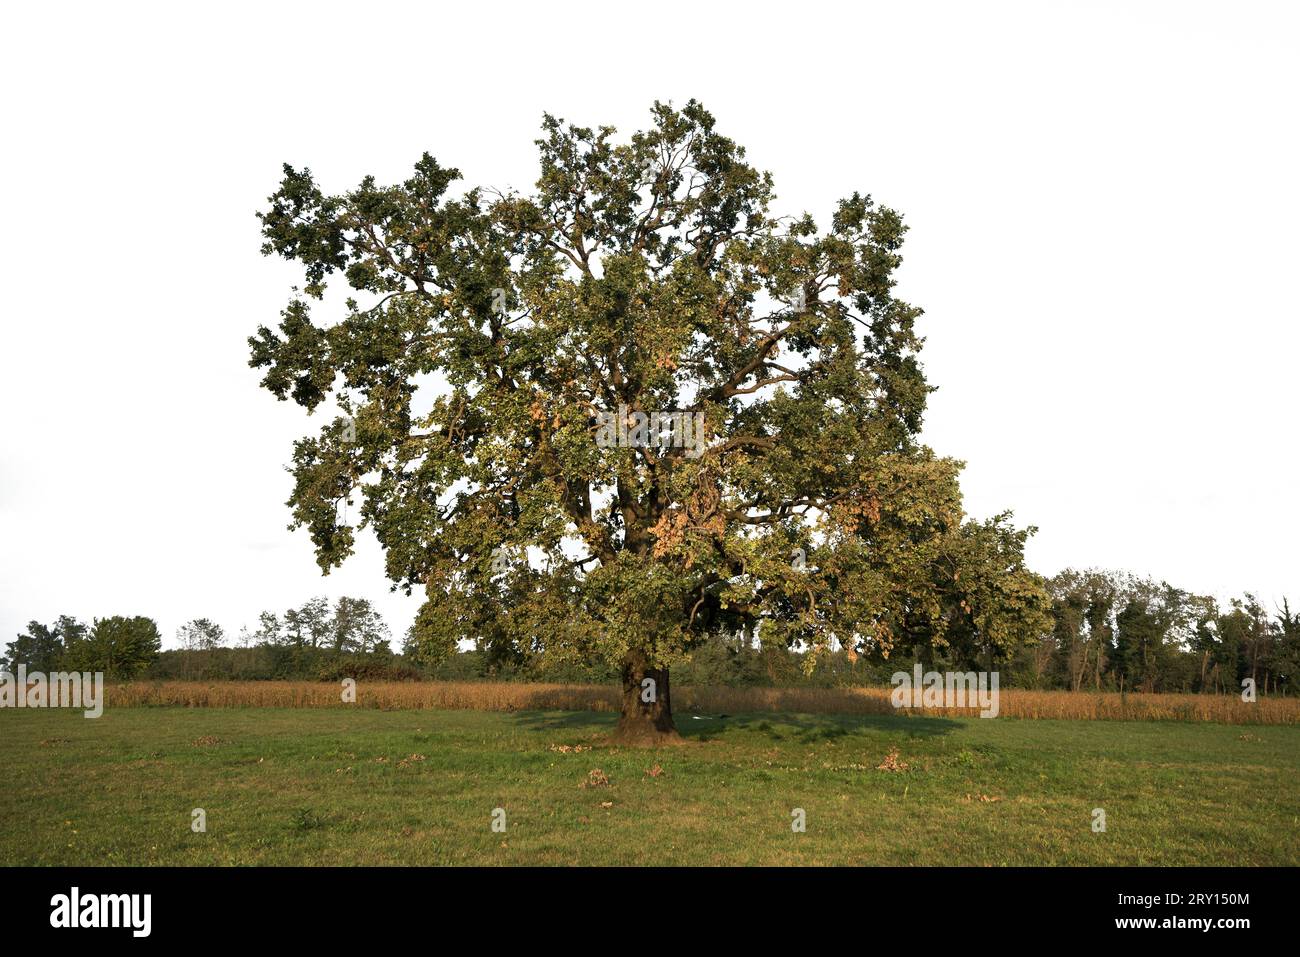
507	696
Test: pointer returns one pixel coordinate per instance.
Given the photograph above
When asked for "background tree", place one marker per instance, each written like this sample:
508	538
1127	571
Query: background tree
1287	659
1260	642
201	634
501	333
308	626
269	631
120	647
1103	593
1203	614
358	628
1233	630
41	647
198	638
1069	602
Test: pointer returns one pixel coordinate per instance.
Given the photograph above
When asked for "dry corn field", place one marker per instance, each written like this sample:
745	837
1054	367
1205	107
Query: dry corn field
501	696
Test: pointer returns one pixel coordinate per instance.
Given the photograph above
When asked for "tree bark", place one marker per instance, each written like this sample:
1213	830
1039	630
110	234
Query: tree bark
647	718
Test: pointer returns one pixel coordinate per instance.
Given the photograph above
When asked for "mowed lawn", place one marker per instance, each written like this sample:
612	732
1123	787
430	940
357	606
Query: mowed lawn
336	786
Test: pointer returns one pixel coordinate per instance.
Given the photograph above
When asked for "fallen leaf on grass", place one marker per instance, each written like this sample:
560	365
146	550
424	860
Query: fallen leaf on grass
596	778
892	762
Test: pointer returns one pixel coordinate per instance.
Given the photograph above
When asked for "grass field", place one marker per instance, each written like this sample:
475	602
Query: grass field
369	786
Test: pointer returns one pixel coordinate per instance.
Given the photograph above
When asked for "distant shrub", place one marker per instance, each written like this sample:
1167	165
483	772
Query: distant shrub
361	669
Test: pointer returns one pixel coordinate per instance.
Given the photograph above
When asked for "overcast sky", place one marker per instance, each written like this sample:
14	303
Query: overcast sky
1103	202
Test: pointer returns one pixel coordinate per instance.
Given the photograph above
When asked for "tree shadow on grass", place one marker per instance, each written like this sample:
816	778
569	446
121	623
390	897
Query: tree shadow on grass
775	725
811	728
565	720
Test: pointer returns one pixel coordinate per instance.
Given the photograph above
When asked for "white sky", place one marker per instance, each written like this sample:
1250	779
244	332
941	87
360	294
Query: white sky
1103	200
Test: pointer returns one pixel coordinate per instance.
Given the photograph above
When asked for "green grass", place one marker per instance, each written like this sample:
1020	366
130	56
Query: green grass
300	786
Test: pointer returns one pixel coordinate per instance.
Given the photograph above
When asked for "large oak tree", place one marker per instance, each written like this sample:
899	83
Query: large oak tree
492	337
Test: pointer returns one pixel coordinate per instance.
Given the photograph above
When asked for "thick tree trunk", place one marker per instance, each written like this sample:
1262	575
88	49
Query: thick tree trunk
647	718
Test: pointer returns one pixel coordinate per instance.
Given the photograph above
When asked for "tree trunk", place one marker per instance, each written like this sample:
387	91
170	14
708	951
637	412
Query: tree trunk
647	718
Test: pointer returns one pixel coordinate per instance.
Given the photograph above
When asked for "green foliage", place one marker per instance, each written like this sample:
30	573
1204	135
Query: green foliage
312	641
201	634
1117	631
120	647
308	626
278	662
648	274
353	626
41	647
357	628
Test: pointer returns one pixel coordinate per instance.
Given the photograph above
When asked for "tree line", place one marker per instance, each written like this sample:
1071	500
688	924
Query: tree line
314	640
1116	631
1108	631
118	646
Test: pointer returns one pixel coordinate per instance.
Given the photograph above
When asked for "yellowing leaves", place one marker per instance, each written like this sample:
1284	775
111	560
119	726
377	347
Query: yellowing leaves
669	533
852	512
